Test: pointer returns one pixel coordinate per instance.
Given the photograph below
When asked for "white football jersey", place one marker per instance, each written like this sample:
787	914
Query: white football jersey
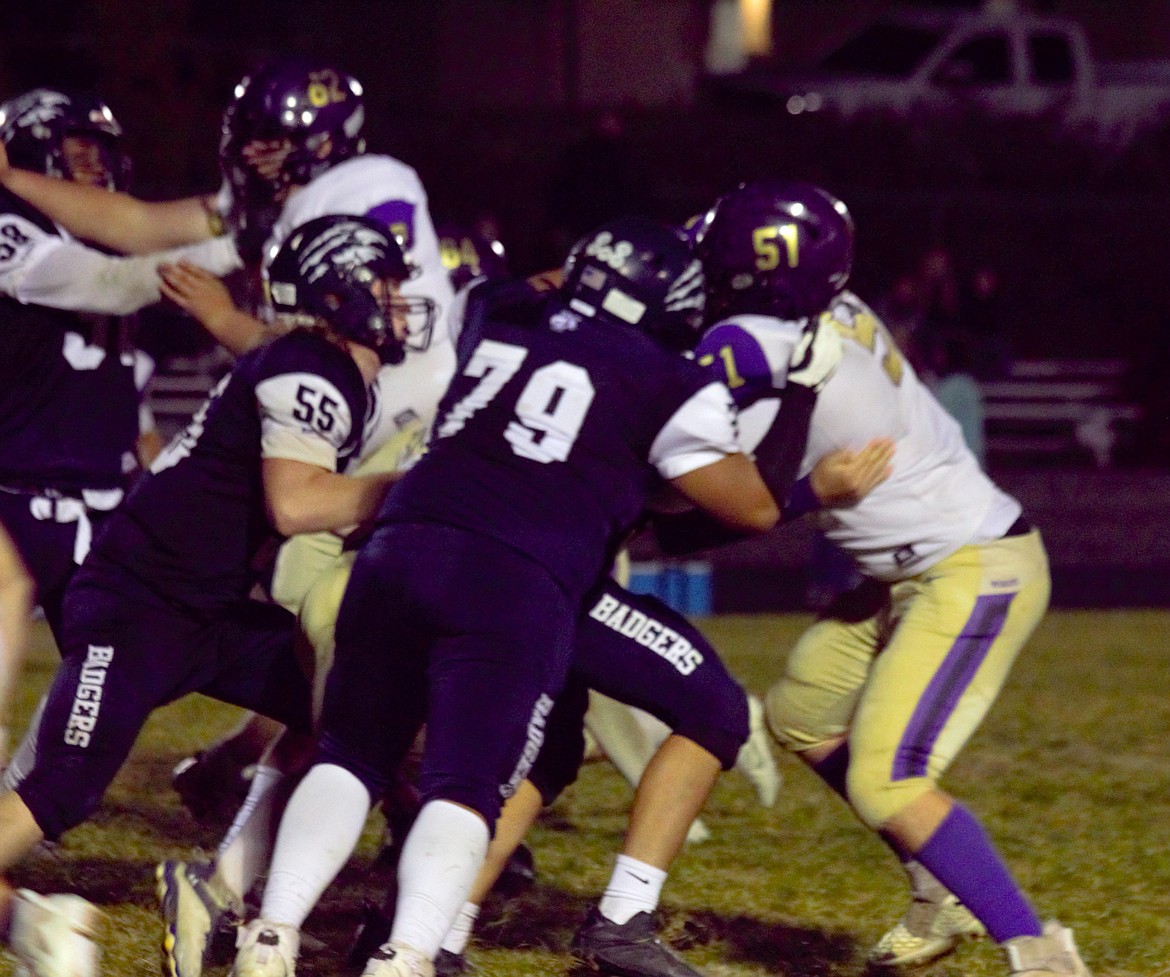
937	499
385	188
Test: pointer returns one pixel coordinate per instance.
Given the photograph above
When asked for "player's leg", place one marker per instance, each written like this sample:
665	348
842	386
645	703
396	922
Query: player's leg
490	642
258	668
637	650
810	709
212	781
111	677
960	628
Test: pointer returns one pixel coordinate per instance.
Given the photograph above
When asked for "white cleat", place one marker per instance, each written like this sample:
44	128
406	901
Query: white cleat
929	930
398	960
53	936
756	761
1054	954
266	949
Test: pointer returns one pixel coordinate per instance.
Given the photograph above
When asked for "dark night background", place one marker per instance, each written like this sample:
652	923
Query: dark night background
494	102
484	96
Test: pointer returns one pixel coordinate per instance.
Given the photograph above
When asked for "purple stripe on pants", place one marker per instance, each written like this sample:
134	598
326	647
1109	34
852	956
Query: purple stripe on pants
949	683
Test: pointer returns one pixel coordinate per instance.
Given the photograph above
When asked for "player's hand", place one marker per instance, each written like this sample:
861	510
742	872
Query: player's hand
197	292
207	299
5	166
816	355
843	478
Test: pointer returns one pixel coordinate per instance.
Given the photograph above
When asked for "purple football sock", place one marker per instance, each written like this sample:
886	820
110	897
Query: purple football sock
960	855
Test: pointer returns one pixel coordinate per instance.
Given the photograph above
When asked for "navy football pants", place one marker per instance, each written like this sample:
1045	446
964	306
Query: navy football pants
637	650
457	630
125	653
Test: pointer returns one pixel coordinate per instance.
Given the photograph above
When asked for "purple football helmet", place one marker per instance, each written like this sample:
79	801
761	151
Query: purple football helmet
640	273
288	121
775	247
468	253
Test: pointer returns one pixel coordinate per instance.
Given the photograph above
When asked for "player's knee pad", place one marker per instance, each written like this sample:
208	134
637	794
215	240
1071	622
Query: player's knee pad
719	722
874	796
480	796
796	715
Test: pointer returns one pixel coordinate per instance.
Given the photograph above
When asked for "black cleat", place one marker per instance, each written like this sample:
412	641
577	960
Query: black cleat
448	964
519	874
371	933
631	949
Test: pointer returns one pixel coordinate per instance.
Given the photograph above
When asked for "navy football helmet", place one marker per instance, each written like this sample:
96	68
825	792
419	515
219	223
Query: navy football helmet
468	253
641	273
775	247
328	269
288	121
34	127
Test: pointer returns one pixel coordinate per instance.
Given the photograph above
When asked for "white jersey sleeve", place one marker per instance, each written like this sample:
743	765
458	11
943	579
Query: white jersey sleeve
58	272
383	188
287	402
701	432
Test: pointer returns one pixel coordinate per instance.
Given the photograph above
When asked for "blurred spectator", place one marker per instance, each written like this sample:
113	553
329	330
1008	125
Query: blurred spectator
597	178
901	309
943	362
940	289
981	318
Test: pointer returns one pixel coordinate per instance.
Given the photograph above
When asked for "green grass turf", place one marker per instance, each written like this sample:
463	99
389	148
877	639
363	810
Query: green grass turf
1070	773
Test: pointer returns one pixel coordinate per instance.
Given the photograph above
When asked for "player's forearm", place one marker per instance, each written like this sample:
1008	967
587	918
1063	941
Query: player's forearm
114	220
327	502
235	330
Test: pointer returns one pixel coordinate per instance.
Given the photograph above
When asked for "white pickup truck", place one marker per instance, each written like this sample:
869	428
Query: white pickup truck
917	63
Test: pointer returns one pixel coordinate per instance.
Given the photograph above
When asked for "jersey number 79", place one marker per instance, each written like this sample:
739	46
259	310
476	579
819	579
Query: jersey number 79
549	411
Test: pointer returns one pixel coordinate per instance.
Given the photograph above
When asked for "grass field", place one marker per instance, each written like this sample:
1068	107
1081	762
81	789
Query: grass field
1070	773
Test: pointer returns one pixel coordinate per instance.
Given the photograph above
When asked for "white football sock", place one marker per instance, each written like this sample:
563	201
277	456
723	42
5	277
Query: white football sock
440	859
246	849
320	827
459	935
633	888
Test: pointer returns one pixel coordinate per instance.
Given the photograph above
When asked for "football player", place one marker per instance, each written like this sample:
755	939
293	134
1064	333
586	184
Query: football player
546	449
161	606
69	403
292	148
619	934
881	693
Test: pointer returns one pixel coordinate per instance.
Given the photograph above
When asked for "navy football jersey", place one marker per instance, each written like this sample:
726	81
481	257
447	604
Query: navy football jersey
68	403
555	430
191	529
